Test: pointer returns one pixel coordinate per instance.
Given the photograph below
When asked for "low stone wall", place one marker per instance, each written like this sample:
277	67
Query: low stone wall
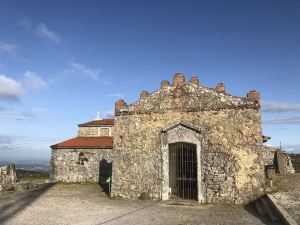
7	176
289	165
81	165
283	162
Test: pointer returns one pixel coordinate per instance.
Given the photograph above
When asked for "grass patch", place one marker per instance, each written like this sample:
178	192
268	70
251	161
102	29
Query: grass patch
115	197
31	175
277	187
145	196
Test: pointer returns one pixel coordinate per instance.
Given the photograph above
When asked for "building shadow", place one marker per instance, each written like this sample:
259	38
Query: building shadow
7	211
251	208
105	172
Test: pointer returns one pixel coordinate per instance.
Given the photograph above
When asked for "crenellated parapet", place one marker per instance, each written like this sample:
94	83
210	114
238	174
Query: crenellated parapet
220	88
253	95
119	105
144	94
189	97
178	79
194	81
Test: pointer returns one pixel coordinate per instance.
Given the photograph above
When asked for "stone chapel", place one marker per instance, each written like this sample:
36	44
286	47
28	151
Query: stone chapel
182	141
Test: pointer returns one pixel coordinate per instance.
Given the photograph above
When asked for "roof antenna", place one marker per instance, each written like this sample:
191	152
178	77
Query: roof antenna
98	116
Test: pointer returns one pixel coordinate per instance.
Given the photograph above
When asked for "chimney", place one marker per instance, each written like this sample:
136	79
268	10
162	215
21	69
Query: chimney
220	88
144	94
164	83
178	79
194	81
253	95
119	104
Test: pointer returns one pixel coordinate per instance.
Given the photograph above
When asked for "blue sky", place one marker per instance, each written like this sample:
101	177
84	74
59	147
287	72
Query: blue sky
62	61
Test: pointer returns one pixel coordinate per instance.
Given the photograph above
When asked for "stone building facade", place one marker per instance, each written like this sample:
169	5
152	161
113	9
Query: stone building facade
222	133
181	141
87	157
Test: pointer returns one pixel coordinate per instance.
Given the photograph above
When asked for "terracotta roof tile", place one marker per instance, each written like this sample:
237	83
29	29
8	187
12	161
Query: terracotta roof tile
92	123
86	142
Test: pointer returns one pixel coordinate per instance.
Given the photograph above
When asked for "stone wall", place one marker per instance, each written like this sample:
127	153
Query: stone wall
283	162
289	164
79	165
230	139
94	131
8	176
268	155
219	177
230	133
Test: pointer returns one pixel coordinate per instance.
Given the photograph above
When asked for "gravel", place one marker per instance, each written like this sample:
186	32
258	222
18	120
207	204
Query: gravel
87	204
289	193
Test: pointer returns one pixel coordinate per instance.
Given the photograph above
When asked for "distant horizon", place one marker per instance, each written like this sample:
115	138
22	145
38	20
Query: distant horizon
290	149
60	64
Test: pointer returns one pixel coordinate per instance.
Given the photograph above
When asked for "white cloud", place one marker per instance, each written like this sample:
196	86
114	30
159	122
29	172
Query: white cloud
291	148
10	89
108	114
7	48
269	145
117	95
5	139
11	51
86	72
290	120
26	24
279	107
21	115
43	31
34	82
40	29
79	70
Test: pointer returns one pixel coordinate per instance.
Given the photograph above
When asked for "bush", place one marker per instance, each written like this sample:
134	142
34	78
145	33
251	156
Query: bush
145	196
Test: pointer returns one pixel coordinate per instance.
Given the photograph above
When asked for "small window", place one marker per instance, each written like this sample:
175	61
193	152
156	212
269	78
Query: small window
104	132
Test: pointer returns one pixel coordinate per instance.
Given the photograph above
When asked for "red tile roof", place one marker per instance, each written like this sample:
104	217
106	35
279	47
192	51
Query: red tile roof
86	142
102	122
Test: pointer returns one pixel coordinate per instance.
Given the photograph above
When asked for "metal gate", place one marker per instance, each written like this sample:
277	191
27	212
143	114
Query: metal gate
183	170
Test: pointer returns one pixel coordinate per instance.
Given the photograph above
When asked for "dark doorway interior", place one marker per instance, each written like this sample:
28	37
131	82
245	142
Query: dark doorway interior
183	170
105	171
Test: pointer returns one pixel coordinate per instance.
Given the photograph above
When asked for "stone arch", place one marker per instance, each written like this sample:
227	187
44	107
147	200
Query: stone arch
180	132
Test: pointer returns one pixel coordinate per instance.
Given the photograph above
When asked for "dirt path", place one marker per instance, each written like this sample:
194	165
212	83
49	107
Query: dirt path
86	204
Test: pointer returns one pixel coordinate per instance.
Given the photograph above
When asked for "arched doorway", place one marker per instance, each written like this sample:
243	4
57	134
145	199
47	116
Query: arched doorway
183	170
105	171
187	137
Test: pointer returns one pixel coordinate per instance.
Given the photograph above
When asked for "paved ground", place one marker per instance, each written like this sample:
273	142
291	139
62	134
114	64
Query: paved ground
288	193
85	204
